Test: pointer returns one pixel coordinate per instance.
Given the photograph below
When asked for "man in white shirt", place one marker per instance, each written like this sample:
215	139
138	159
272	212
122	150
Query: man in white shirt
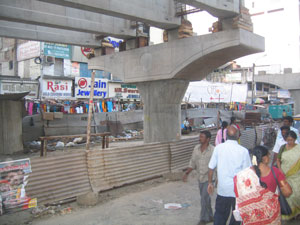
288	121
187	124
229	158
279	142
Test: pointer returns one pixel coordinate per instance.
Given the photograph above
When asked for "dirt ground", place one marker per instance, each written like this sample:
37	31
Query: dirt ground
138	204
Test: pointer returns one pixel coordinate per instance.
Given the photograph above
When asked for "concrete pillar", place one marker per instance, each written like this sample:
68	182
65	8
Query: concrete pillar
10	127
296	97
162	113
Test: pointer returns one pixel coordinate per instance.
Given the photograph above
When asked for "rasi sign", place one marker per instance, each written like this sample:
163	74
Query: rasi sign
83	87
57	88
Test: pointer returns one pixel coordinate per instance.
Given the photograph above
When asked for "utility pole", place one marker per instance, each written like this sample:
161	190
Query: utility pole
91	104
252	86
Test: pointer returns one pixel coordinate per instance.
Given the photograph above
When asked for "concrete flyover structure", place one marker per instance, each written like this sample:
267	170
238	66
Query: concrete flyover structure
161	72
220	9
290	82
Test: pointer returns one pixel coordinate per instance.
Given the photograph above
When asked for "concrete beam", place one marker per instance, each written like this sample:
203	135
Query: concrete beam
39	33
49	15
155	13
285	81
218	8
189	58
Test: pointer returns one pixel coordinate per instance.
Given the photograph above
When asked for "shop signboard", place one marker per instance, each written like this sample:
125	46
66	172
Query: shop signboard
28	50
54	88
123	91
57	50
13	179
282	93
19	86
83	87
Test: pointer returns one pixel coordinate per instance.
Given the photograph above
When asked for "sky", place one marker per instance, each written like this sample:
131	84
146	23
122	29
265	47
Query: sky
281	30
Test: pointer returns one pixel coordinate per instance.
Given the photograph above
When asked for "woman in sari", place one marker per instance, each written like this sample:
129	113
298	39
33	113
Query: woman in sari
288	161
255	190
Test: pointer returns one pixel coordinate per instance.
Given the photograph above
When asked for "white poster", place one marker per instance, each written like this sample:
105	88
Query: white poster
57	88
28	50
67	67
83	87
206	92
75	71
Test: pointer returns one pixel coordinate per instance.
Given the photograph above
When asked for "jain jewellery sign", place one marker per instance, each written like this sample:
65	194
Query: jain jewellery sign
83	87
57	88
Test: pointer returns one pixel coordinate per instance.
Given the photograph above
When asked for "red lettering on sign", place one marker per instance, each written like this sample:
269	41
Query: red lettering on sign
56	87
49	85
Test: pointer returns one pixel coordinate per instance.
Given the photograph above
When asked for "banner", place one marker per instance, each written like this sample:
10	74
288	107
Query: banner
206	92
83	87
13	179
57	88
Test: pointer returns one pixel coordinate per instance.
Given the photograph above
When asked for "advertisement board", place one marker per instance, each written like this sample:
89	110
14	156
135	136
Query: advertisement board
57	88
123	91
57	50
13	180
83	87
206	92
28	50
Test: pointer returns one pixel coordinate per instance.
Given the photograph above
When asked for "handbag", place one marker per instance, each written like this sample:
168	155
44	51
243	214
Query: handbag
284	205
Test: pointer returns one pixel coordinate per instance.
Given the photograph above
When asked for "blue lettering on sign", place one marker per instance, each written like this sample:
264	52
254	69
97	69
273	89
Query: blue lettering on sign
99	84
96	93
114	43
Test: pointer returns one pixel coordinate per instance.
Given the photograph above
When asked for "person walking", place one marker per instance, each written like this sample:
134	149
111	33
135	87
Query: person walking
288	121
255	189
229	158
288	160
279	142
199	162
221	134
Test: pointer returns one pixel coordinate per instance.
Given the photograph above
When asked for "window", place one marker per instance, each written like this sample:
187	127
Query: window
259	86
11	65
250	86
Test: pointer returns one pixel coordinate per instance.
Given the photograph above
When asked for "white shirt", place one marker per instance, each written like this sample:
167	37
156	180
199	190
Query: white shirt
229	158
279	135
186	123
278	144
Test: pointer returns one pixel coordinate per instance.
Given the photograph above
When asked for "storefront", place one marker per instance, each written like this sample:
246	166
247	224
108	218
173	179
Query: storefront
13	85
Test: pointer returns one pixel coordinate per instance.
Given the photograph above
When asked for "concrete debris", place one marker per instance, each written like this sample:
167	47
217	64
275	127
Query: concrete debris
78	140
70	144
60	144
50	210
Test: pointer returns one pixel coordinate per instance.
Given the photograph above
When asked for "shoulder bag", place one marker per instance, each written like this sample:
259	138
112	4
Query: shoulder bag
284	205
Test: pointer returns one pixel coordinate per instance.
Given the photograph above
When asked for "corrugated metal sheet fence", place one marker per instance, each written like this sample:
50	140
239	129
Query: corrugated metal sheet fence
116	167
77	172
58	177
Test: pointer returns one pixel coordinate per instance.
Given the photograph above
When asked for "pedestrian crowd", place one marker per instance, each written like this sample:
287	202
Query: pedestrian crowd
251	188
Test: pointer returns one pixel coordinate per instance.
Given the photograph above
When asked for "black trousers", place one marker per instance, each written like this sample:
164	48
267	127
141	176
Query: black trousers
224	207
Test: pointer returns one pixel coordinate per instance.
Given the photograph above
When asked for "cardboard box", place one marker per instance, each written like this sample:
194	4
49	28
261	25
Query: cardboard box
48	116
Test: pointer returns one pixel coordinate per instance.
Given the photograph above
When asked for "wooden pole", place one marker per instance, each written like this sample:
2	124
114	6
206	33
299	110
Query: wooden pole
88	135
